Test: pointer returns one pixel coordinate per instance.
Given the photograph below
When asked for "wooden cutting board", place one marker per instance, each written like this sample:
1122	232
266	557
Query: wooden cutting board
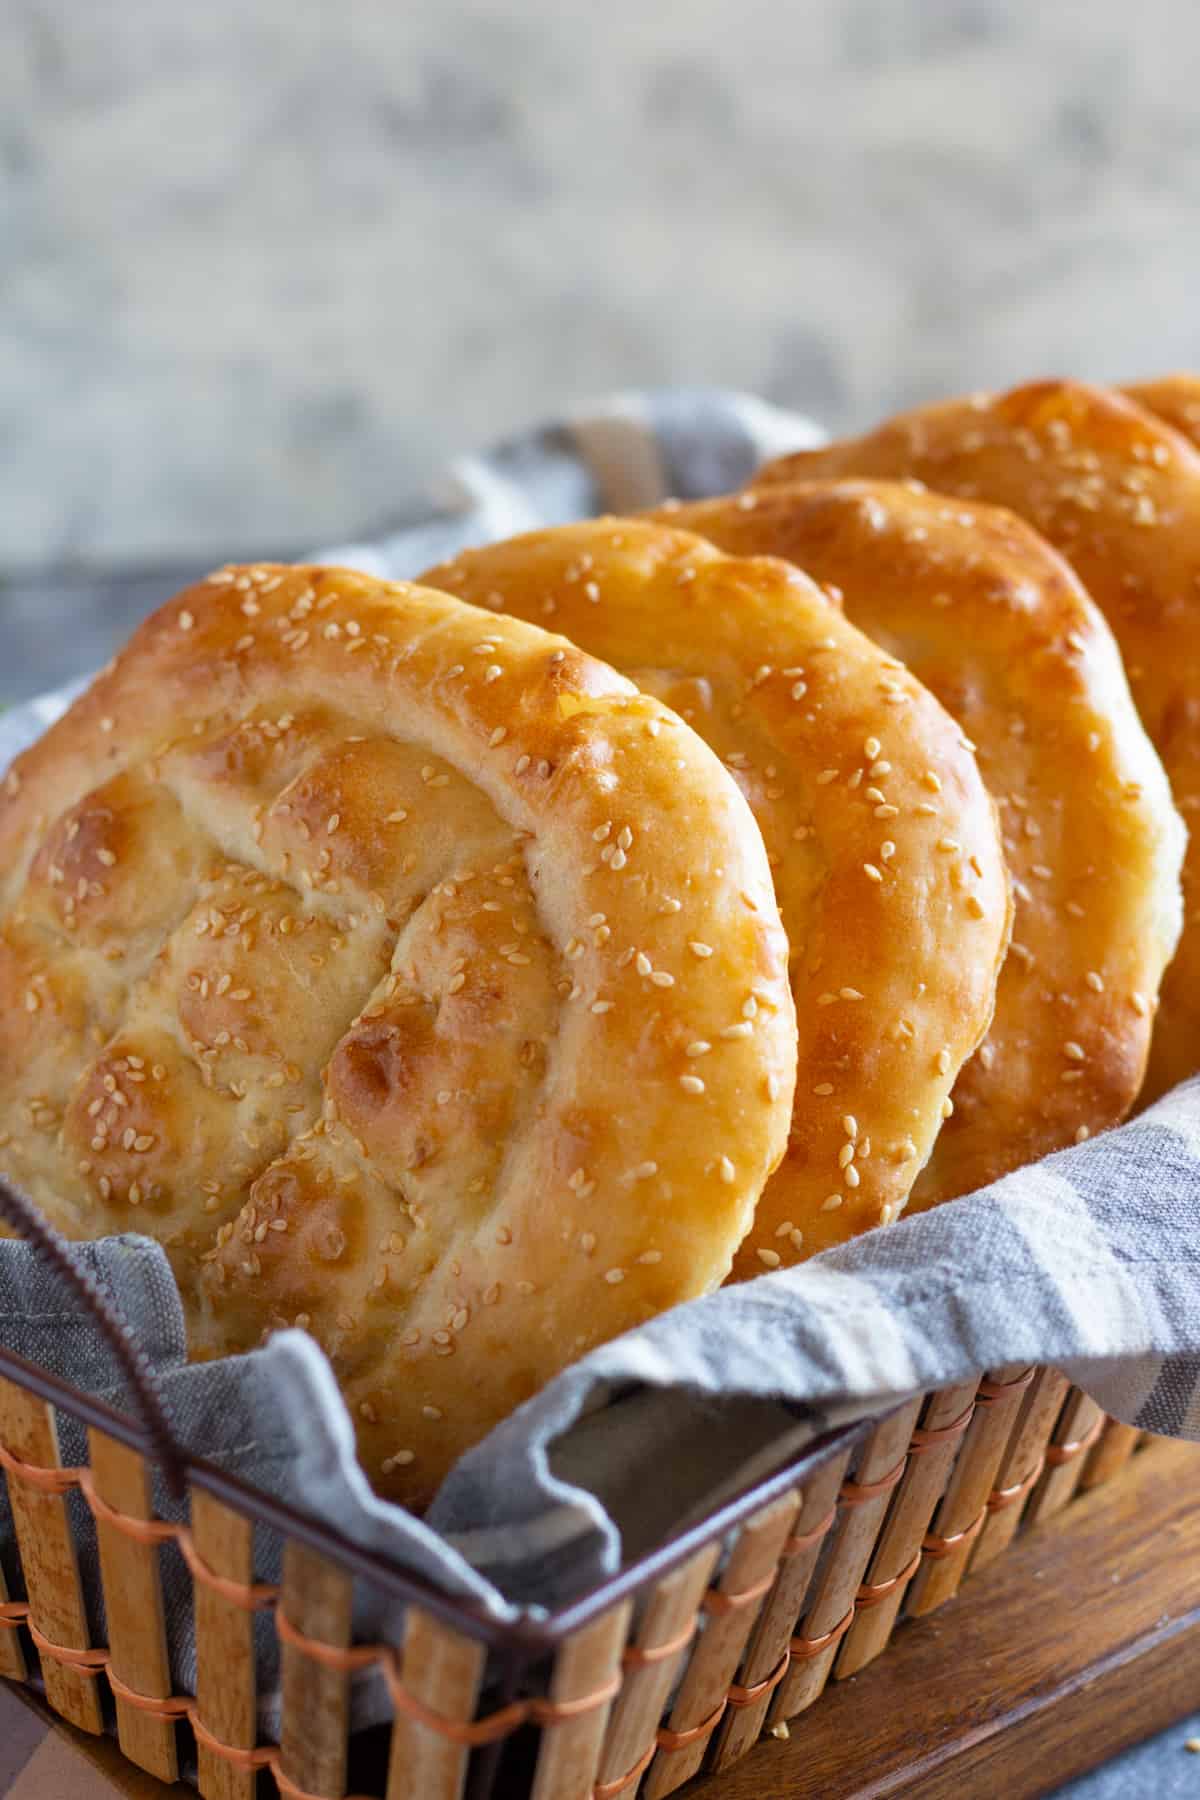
1081	1639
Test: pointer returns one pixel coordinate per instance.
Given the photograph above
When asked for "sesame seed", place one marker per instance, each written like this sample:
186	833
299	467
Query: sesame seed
850	1125
660	978
743	1029
871	872
947	1108
849	993
770	1258
823	1087
728	1172
186	621
943	1060
587	1242
845	1156
850	1176
498	736
885	811
649	1257
826	776
1095	981
614	1277
950	845
698	1047
493	672
645	1170
691	1084
698	949
871	749
1074	1051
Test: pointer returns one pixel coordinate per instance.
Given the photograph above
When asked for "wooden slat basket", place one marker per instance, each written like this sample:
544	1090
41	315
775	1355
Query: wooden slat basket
676	1665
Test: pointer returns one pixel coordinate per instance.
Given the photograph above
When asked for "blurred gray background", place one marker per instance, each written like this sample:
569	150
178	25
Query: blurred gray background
264	263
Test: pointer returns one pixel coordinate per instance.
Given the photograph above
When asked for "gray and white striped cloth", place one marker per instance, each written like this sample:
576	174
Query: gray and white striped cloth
1089	1261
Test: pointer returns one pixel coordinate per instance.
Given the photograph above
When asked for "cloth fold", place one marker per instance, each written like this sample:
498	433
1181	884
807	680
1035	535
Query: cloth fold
1088	1260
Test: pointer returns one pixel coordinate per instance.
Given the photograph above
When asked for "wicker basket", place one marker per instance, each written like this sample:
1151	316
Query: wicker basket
677	1663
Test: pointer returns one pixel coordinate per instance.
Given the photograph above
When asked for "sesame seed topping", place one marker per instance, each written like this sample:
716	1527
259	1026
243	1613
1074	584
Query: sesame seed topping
831	1202
645	1171
728	1172
698	1047
1074	1051
871	749
823	1087
850	1125
871	872
770	1258
698	949
850	1176
186	620
649	1257
691	1084
743	1029
614	1277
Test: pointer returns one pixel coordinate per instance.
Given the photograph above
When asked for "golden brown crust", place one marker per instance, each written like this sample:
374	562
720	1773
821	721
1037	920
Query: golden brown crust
1118	493
997	625
1175	399
344	947
882	839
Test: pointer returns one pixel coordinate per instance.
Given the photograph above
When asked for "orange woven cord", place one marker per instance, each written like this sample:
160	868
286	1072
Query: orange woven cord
604	1790
999	1498
91	1662
172	1706
872	1592
332	1656
290	1790
801	1541
634	1657
929	1437
801	1648
259	1758
1056	1454
251	1597
557	1712
48	1481
142	1531
934	1547
718	1602
679	1740
856	1493
738	1696
991	1391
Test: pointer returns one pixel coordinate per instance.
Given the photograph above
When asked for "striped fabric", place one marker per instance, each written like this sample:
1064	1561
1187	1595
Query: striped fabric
1088	1261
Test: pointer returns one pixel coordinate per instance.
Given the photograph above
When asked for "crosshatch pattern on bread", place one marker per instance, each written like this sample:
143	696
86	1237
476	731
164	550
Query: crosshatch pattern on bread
882	838
357	946
1117	491
996	624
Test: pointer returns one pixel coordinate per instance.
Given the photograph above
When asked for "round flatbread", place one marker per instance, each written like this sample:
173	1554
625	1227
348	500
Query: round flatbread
313	922
1175	399
995	623
1118	493
882	838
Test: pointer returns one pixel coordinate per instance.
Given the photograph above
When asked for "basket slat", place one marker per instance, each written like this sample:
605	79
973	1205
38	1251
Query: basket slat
443	1669
12	1657
739	1730
853	1539
133	1606
47	1550
225	1680
1080	1414
317	1599
922	1486
671	1607
714	1661
1117	1444
569	1753
971	1481
1031	1433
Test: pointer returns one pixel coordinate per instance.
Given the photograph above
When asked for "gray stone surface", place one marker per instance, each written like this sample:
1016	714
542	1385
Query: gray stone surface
265	262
